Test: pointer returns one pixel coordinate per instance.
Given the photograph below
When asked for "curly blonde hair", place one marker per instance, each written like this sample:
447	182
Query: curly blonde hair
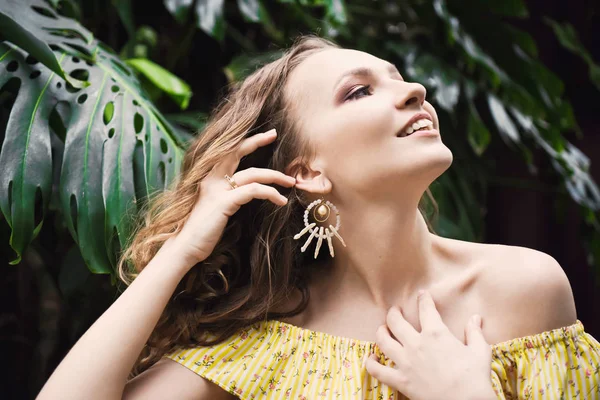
257	264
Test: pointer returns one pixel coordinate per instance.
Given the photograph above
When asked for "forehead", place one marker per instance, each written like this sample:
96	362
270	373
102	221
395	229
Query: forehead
315	78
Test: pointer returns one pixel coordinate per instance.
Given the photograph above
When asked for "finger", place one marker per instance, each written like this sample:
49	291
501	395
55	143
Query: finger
473	333
263	175
244	194
429	317
402	330
250	144
388	345
383	374
230	163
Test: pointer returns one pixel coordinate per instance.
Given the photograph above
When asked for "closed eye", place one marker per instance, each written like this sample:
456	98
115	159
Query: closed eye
362	89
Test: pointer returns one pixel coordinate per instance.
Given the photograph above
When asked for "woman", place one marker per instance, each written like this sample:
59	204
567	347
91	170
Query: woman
280	299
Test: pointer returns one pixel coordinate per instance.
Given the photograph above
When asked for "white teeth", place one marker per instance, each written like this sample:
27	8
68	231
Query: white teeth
420	124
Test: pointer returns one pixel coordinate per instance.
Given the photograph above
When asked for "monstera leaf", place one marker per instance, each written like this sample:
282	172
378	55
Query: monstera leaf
93	145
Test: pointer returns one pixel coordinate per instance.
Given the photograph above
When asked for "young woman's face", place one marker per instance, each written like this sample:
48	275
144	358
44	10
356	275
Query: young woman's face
353	107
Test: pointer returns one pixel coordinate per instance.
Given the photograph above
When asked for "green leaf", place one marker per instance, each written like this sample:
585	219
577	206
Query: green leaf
26	37
250	9
336	11
523	40
208	14
192	119
312	3
432	72
503	122
209	18
244	64
575	166
118	149
506	8
567	36
473	51
124	10
176	88
478	135
180	9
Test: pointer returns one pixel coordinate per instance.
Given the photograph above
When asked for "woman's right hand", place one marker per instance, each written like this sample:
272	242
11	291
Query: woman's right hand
218	200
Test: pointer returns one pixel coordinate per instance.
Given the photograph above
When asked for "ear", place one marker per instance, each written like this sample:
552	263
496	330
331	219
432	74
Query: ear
309	178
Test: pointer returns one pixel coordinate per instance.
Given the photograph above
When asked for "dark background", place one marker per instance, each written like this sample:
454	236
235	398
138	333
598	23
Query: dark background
521	209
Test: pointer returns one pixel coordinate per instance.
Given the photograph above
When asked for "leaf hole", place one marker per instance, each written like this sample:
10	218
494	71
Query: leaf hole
73	211
161	174
66	33
139	178
59	114
34	74
111	133
58	85
163	146
115	88
44	12
75	59
109	112
81	99
78	48
135	103
106	48
12	66
38	207
146	138
72	89
80	74
9	92
90	64
31	60
138	122
54	47
170	160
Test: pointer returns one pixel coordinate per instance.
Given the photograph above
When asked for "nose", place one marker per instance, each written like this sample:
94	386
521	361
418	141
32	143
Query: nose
411	94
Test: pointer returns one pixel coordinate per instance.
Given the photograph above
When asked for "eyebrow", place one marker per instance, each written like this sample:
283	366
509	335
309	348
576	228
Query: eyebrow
364	72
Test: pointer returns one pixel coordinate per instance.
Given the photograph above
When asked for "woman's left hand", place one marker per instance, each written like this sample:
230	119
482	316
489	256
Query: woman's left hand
432	364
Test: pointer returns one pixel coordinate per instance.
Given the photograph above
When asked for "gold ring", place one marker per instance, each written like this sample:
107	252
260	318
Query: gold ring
231	182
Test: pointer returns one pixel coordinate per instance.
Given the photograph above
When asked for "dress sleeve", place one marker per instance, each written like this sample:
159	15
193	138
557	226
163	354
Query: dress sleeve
563	363
225	364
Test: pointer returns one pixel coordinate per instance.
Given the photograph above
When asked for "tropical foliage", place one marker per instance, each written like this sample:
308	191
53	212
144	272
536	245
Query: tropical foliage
89	132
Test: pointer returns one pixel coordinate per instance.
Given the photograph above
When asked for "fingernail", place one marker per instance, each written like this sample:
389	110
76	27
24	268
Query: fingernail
477	320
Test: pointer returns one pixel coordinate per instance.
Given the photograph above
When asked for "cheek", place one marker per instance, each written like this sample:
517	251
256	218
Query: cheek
365	122
429	108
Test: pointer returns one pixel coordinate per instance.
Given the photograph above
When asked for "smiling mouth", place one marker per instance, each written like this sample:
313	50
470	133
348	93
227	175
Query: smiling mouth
421	124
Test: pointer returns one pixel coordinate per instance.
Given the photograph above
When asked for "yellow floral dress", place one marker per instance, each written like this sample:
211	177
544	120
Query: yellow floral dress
276	360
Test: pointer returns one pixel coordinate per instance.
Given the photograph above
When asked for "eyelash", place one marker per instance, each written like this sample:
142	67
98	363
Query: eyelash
361	89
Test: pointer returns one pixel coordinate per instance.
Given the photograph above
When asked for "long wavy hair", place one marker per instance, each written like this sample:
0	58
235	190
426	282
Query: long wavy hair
257	264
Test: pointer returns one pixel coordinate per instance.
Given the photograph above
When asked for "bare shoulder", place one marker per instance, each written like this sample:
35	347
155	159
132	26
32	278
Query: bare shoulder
524	291
169	380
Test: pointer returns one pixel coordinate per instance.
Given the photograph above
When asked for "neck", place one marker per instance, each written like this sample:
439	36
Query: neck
390	254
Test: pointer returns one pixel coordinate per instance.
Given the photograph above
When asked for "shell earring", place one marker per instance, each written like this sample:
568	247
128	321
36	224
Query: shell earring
321	211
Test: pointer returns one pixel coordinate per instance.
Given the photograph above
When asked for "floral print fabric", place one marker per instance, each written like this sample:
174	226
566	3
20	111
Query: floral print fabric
276	360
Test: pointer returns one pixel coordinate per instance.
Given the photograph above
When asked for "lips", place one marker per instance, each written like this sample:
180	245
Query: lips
415	118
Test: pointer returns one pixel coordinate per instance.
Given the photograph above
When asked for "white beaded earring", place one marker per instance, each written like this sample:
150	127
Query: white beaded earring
321	213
